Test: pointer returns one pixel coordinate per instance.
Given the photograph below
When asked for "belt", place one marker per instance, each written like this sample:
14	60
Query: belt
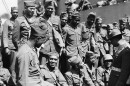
116	69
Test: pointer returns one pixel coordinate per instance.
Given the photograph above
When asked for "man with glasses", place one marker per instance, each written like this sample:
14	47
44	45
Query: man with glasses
8	47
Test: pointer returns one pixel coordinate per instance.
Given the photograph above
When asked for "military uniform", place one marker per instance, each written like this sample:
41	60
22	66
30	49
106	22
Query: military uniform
55	77
73	40
102	76
83	78
22	30
7	42
55	20
120	68
27	67
53	44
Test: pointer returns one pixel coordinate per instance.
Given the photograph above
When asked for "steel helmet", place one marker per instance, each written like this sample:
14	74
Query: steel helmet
107	57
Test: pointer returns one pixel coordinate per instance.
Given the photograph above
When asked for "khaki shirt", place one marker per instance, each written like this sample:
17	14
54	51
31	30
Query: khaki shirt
54	76
8	29
26	67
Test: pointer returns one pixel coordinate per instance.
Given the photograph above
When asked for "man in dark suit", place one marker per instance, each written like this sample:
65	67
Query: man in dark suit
121	65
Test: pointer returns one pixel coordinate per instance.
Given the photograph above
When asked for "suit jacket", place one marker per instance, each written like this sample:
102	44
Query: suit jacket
122	62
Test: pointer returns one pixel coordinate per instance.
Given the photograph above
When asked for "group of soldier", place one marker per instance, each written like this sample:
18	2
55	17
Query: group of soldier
40	48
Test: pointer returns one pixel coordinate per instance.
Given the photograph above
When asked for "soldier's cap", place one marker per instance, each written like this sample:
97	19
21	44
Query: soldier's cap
115	33
107	57
14	8
104	26
37	31
115	23
29	4
69	9
91	14
122	20
50	4
53	54
63	15
90	53
99	19
74	60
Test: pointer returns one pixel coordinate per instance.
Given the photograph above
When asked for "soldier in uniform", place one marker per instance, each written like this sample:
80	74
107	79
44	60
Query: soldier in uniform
51	73
63	19
4	74
8	48
22	25
73	38
103	72
121	64
39	9
111	48
55	42
99	40
88	37
27	68
79	74
124	29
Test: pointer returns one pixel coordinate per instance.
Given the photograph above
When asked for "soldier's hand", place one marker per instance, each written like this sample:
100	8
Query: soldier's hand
7	51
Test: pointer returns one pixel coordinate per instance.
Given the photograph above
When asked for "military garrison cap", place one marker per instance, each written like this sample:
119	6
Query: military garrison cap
14	8
63	15
36	31
122	20
92	14
50	3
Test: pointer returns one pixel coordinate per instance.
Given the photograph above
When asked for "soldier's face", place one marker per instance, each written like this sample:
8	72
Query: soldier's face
90	21
76	21
39	42
92	59
30	11
53	61
63	21
108	63
110	30
122	26
14	13
49	10
69	15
